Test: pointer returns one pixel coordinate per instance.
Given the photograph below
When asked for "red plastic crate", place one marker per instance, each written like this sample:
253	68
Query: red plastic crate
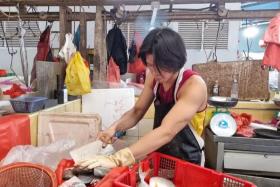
183	174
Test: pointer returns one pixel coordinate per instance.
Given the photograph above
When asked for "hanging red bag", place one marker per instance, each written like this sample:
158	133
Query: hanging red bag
135	63
44	52
113	71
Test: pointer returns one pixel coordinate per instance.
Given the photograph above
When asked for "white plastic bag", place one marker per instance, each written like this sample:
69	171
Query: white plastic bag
49	155
68	48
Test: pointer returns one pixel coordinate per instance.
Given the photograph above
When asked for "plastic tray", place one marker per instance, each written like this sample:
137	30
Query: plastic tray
183	174
28	104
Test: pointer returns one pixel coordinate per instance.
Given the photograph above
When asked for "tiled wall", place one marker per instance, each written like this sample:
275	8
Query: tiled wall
142	128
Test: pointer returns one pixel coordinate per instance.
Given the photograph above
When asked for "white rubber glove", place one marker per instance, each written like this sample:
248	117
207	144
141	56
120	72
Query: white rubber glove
123	157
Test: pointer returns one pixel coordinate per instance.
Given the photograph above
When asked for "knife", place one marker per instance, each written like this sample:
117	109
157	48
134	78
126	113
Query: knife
117	143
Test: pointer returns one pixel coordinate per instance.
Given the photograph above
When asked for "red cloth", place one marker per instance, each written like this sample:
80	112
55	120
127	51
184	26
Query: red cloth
14	130
43	46
113	71
272	56
14	91
272	34
272	43
168	96
137	66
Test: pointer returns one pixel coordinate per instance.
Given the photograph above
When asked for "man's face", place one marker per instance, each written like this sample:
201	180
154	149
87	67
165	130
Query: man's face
162	76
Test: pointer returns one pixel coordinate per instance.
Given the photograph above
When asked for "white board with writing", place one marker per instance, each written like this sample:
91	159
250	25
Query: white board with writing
110	104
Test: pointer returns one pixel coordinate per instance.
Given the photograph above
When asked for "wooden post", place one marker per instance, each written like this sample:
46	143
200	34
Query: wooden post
64	24
83	35
100	54
103	68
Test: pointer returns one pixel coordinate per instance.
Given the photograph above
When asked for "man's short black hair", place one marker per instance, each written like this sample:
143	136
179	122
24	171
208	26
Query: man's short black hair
167	48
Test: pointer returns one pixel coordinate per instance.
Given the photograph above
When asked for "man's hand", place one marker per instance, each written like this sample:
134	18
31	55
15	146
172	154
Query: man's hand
123	157
107	136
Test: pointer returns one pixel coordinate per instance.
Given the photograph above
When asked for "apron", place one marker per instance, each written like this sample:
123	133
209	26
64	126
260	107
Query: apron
187	144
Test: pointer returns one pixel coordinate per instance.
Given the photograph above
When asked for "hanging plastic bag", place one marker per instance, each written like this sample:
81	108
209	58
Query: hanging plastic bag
113	71
77	78
68	48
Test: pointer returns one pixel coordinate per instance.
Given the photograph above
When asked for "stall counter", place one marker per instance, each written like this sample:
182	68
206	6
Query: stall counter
260	110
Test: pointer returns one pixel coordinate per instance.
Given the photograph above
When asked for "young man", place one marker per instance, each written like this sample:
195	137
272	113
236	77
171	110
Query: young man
180	100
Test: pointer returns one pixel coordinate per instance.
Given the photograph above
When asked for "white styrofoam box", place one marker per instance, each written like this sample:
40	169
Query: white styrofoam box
83	128
110	104
254	161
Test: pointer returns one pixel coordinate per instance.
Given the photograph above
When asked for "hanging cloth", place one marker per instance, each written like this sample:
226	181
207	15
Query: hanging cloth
113	71
135	63
272	41
43	47
272	56
272	34
44	52
77	38
117	48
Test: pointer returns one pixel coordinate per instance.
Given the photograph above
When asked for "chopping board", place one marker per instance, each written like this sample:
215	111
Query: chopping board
83	128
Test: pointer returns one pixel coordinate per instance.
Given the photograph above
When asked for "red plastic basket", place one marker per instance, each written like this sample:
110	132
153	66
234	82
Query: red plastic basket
183	174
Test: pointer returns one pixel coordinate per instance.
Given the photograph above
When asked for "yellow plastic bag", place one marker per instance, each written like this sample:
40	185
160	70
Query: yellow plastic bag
77	78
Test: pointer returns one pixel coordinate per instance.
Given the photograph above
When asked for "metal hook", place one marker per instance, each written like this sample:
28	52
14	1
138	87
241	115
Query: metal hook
29	28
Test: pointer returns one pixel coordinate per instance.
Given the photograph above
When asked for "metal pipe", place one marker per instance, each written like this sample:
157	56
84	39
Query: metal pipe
174	16
153	17
114	2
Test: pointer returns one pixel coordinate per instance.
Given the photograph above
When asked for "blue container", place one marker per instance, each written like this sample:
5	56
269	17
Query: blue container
28	104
